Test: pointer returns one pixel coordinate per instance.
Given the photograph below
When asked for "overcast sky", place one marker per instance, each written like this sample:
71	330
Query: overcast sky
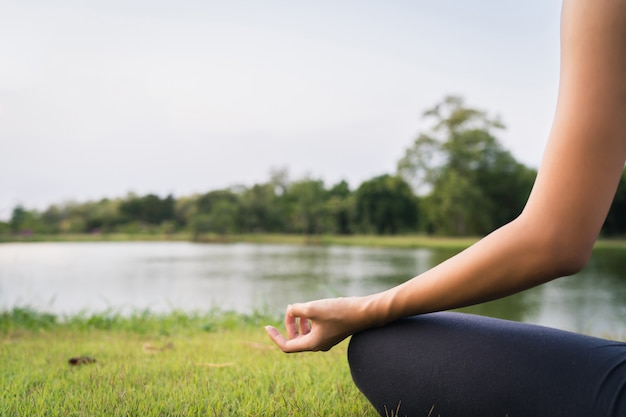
100	98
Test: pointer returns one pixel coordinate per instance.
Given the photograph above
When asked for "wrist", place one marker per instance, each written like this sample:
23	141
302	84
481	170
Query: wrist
376	309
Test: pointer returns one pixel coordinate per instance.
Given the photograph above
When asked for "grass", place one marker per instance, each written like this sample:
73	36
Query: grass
397	241
165	365
96	237
384	241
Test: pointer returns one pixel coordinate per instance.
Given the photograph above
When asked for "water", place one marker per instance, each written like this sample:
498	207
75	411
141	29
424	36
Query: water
67	278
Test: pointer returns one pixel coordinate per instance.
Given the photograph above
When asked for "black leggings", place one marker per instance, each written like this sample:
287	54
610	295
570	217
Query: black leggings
451	365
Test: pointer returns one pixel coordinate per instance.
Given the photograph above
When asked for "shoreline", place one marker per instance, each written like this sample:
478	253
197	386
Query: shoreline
379	241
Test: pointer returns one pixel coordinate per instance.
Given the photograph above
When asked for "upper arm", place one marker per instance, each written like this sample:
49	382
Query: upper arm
586	150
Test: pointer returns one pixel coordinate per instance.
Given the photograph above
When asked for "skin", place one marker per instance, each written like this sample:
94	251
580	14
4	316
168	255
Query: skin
554	235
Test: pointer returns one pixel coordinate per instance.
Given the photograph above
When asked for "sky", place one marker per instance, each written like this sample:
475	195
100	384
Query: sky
102	98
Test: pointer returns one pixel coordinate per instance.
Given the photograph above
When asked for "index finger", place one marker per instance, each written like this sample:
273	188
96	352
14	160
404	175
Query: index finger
291	325
298	344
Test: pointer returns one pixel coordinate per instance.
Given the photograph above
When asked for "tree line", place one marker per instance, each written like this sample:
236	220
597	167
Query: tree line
455	179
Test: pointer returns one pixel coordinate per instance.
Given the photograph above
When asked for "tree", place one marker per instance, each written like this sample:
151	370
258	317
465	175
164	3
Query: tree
340	207
205	202
18	218
184	208
261	209
5	228
73	218
473	184
150	209
216	211
223	217
506	183
103	216
386	205
307	206
200	223
454	206
51	219
25	221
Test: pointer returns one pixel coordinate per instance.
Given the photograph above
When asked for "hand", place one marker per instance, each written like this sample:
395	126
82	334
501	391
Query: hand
320	325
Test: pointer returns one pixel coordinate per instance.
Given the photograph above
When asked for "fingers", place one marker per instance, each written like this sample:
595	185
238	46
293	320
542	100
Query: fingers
298	329
305	325
299	344
276	337
291	324
301	310
297	320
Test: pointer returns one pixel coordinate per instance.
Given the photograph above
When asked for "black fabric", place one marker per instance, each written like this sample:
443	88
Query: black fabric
453	365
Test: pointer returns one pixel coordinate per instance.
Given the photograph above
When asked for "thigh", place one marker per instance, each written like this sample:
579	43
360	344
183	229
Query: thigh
451	364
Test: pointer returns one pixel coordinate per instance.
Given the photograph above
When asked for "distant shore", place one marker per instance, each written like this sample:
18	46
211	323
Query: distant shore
381	241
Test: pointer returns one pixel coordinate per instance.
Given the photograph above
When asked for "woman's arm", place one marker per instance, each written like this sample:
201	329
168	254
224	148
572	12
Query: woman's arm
555	233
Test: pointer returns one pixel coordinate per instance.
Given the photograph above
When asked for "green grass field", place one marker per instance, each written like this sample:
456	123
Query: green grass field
214	364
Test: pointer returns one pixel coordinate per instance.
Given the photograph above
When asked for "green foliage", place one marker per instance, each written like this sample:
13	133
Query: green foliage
387	205
307	208
5	229
262	210
455	207
150	209
141	321
184	208
215	212
24	221
341	208
471	184
205	203
222	218
103	216
52	218
25	318
199	224
18	217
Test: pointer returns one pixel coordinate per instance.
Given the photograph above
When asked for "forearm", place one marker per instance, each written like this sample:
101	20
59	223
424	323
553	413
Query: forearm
511	259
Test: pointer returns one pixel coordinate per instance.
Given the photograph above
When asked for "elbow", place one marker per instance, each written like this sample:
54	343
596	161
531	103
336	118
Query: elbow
558	251
572	260
566	255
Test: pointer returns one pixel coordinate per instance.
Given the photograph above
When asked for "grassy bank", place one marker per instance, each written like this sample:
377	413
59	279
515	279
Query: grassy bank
404	241
400	242
97	237
171	365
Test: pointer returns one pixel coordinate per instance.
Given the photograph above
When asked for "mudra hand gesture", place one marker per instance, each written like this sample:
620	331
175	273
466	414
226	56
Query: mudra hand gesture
320	325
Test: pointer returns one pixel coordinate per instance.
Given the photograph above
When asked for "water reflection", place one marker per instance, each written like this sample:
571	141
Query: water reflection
71	277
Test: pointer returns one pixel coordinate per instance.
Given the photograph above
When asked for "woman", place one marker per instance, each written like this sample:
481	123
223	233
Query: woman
461	365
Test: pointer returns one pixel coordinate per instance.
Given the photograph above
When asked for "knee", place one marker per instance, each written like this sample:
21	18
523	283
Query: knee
361	357
355	348
358	350
379	371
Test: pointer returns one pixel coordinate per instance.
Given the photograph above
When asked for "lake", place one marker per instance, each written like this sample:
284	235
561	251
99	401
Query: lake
67	278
